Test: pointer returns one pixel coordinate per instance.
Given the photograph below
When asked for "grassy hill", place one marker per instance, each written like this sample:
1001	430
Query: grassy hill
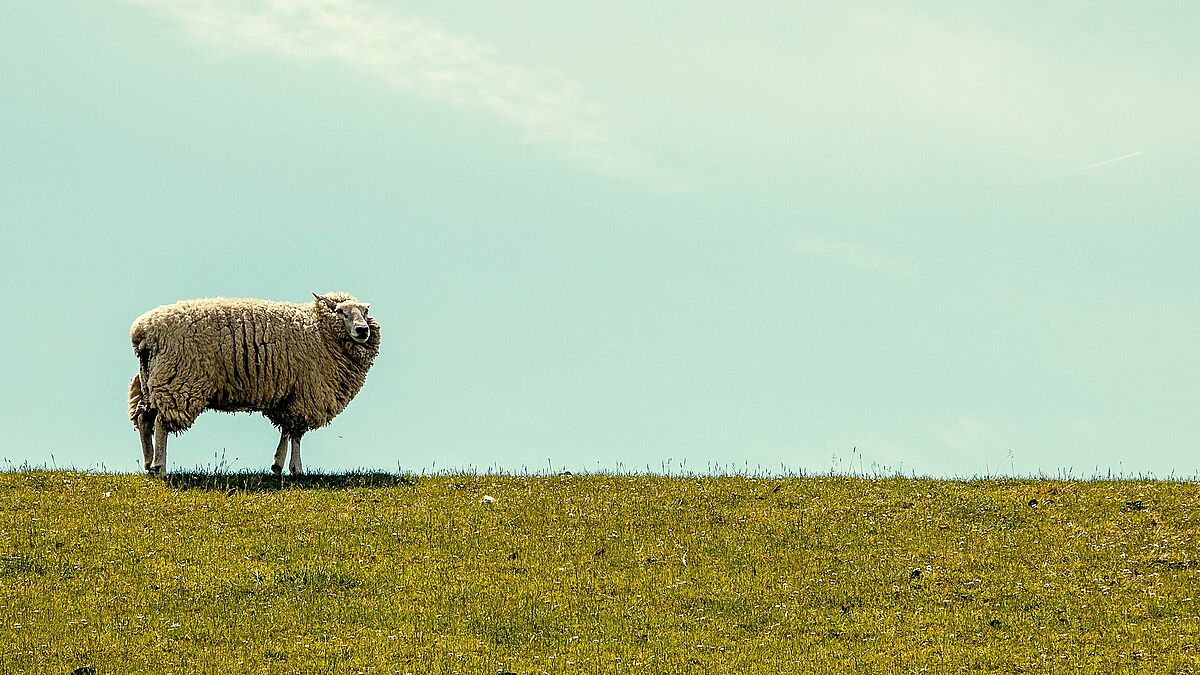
597	573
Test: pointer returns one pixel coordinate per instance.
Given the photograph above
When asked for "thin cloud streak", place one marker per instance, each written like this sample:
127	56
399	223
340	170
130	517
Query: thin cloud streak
418	57
1094	165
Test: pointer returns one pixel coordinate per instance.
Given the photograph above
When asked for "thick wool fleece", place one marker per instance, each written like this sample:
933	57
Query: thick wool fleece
293	362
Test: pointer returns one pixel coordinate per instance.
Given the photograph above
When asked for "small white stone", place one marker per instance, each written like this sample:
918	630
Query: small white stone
487	499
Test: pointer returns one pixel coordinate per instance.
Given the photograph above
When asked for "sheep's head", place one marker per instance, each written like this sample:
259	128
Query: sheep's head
353	315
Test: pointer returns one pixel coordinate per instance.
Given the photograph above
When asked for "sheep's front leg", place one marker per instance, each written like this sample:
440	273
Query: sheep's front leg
296	467
159	465
280	454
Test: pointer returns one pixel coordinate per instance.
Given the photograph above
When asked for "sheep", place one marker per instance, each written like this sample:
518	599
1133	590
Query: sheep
299	364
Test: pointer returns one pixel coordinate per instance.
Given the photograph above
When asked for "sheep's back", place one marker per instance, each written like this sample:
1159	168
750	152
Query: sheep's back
238	354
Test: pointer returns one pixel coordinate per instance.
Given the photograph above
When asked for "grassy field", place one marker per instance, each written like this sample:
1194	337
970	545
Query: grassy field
377	573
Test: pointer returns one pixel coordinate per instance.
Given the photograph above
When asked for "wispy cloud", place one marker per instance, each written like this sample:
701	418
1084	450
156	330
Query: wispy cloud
990	88
1093	165
850	254
419	57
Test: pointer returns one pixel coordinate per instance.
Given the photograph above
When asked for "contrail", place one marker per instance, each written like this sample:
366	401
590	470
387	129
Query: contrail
1088	167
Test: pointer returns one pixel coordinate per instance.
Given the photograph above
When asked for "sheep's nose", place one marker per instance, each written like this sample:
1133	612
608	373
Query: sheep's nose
361	331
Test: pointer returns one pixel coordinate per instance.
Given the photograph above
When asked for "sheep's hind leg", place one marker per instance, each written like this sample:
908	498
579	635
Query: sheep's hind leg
296	467
280	454
159	466
145	425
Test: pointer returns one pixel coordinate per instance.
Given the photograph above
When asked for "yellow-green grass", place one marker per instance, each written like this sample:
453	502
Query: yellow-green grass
595	573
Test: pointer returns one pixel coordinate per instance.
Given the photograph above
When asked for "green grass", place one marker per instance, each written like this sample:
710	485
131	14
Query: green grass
378	573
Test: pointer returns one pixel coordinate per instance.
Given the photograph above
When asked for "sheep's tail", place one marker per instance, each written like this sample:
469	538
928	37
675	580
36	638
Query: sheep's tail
138	401
139	390
135	398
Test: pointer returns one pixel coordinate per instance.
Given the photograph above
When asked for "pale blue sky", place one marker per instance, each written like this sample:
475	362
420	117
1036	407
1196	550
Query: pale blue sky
960	237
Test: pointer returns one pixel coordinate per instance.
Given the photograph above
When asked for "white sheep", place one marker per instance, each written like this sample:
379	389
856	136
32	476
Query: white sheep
297	364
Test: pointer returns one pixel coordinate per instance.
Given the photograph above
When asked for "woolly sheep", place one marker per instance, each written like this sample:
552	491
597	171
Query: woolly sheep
297	364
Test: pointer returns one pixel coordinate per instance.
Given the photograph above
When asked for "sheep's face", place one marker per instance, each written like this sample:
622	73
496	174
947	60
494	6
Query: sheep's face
354	317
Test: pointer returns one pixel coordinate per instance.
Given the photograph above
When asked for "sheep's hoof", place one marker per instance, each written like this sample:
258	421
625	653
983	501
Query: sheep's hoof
276	469
156	471
297	472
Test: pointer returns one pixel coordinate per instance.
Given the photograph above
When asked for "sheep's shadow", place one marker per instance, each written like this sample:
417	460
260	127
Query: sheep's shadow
247	481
